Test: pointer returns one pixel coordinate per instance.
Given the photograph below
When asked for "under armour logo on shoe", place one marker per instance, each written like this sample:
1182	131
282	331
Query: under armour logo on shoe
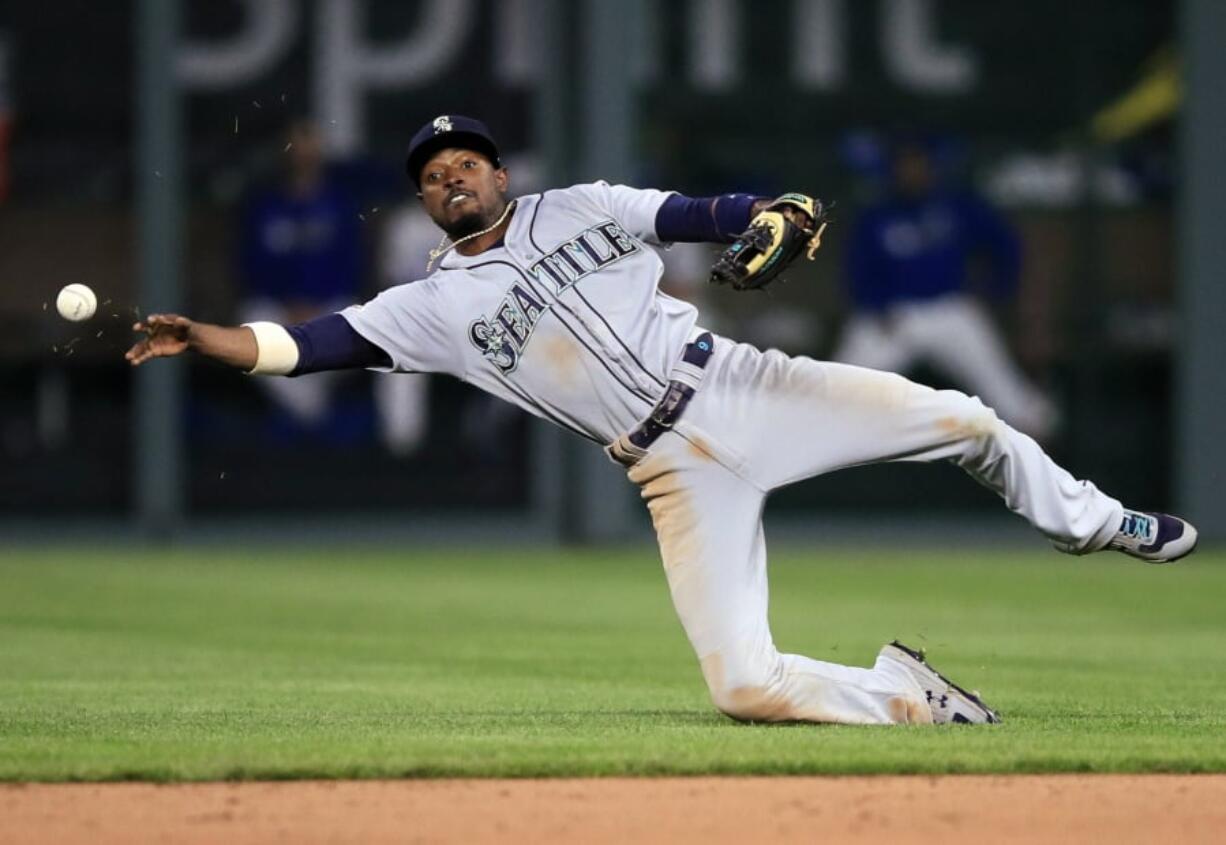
942	701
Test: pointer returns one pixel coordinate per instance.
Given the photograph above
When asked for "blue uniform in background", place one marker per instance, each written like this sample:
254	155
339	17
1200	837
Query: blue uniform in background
914	250
911	266
302	254
302	249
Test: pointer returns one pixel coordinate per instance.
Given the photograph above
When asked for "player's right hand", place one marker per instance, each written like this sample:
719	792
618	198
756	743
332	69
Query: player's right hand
166	335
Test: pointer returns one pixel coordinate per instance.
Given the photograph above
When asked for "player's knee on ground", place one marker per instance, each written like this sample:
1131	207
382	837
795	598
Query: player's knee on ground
746	689
750	703
751	687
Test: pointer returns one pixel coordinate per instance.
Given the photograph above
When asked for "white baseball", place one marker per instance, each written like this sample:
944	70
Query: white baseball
76	303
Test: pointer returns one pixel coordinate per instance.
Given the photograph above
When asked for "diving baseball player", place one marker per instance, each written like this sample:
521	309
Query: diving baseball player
550	302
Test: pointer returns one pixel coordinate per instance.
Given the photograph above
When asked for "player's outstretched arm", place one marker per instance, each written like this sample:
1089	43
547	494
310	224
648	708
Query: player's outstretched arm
167	335
324	343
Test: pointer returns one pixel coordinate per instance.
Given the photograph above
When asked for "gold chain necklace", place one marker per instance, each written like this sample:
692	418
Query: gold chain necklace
443	247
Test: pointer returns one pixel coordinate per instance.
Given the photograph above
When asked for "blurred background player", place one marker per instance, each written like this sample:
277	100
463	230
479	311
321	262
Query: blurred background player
402	404
302	255
916	260
687	267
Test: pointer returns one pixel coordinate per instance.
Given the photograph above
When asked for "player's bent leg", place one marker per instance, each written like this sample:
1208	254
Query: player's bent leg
867	342
753	682
306	399
708	521
964	343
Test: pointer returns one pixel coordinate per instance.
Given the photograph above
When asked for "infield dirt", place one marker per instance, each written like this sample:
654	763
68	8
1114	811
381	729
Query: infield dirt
959	809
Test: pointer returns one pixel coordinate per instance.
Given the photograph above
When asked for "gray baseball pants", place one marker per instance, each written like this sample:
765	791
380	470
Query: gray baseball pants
761	420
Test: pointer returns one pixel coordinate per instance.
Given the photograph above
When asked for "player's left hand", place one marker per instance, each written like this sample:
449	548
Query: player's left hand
776	236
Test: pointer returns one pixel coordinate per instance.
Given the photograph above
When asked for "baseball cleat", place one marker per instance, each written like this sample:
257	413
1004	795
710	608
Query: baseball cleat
948	701
1154	537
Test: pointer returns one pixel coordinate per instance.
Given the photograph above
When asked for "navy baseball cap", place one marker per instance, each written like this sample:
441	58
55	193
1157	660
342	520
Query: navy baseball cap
449	131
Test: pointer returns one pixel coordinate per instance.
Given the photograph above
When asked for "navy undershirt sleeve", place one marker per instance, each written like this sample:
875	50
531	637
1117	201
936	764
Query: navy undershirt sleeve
330	343
704	219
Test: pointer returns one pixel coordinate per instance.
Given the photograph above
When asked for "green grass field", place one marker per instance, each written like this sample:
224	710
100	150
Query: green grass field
209	664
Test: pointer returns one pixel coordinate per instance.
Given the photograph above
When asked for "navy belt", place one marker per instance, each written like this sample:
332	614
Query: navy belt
676	396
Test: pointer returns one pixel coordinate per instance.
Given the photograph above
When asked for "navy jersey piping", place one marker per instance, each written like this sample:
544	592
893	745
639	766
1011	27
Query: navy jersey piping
532	223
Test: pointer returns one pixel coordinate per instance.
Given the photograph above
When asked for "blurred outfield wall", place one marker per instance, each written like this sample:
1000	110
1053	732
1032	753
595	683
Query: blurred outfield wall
727	95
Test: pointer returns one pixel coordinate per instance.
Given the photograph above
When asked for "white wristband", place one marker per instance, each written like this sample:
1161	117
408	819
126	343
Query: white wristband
276	351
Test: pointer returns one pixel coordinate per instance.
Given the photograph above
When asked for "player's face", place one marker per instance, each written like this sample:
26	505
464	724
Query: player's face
462	191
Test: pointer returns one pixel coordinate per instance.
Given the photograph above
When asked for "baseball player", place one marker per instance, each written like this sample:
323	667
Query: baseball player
908	273
550	301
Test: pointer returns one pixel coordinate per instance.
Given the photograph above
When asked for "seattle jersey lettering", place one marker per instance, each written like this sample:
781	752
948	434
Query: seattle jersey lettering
501	338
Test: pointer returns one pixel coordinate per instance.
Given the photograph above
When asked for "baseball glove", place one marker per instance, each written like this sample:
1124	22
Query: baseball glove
771	243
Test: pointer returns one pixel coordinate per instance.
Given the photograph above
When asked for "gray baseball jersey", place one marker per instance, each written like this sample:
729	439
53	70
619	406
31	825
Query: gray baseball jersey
564	319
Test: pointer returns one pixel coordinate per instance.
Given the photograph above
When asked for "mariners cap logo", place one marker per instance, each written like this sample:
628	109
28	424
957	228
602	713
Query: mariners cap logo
442	123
